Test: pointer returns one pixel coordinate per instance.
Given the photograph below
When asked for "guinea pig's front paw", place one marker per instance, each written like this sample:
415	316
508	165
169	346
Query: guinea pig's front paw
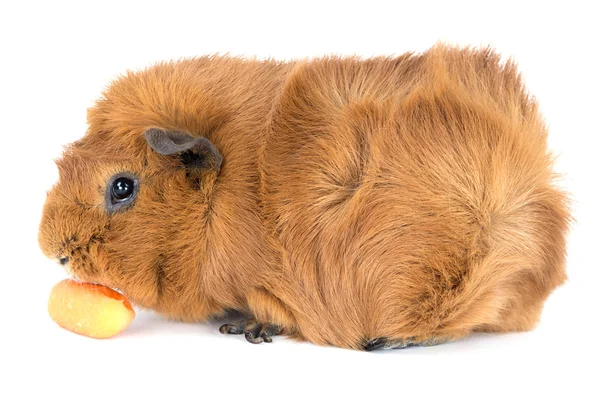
255	332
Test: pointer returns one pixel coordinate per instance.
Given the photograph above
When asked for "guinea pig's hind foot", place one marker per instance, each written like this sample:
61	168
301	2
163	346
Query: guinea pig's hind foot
394	343
254	331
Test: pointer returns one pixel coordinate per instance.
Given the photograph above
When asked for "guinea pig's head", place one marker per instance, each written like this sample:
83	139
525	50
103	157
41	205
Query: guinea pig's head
131	206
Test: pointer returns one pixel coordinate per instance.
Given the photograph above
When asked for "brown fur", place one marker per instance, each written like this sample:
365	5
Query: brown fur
408	197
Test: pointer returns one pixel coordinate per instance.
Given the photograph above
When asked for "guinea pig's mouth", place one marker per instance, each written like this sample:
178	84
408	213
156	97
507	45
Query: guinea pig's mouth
80	260
75	270
86	272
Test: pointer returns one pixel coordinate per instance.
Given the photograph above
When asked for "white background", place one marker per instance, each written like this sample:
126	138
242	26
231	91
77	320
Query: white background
57	57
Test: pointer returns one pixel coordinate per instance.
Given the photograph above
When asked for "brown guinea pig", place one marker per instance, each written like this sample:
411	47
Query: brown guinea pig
378	203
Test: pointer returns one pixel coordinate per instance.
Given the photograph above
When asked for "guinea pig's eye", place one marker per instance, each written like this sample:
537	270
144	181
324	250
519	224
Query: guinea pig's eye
121	191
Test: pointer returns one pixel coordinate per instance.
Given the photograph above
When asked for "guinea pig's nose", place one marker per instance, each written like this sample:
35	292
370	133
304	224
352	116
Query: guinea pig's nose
63	260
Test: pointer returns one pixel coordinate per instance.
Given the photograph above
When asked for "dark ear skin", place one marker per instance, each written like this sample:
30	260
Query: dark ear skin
196	154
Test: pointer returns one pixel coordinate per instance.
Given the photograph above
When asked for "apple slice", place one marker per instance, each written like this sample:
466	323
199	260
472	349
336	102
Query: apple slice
89	309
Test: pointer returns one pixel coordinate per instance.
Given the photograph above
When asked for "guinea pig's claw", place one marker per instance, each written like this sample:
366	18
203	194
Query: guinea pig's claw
231	329
250	336
255	332
374	344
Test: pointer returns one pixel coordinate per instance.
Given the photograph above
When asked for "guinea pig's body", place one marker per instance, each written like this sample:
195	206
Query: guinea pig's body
372	203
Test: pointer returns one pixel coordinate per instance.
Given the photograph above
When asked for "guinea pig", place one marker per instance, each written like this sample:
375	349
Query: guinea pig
361	203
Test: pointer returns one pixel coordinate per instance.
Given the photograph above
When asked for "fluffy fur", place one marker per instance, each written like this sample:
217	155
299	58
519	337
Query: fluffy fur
399	198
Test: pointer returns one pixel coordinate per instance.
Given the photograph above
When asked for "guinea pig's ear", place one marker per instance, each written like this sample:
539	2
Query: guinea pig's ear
195	152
